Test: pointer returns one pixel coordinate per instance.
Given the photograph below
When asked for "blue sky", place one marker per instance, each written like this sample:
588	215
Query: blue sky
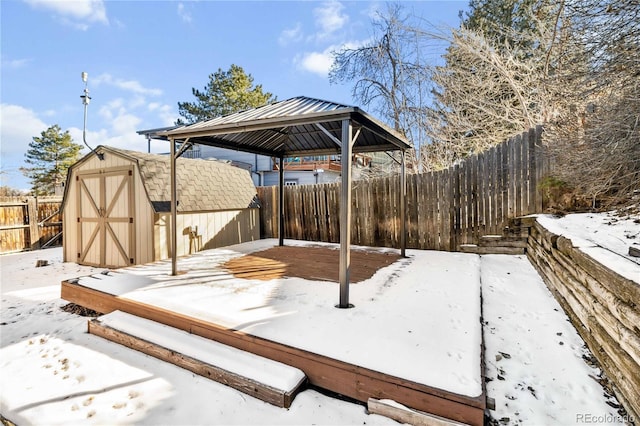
143	57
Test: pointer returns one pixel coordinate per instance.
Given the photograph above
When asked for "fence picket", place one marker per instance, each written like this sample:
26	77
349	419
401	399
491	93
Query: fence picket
444	209
29	223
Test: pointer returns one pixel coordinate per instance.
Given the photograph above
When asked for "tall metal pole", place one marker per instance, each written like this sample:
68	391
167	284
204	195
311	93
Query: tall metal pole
281	202
345	215
85	101
174	210
403	205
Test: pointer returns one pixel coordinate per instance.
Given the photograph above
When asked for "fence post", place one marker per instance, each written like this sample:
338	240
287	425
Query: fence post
34	229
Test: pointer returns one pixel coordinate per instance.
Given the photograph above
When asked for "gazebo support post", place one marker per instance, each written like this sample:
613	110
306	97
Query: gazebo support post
174	210
281	202
403	205
345	214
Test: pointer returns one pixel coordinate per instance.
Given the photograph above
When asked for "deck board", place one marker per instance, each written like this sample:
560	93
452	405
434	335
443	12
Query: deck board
315	263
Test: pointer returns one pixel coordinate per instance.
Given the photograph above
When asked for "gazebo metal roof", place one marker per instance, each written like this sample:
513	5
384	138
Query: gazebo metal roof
296	127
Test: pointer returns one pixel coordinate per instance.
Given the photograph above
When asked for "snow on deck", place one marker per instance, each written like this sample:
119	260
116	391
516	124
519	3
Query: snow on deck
417	319
245	364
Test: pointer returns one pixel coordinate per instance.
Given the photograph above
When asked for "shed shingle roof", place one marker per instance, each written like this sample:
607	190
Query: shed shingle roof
203	185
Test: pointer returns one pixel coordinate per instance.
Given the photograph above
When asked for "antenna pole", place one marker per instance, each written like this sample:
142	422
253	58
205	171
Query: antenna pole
85	101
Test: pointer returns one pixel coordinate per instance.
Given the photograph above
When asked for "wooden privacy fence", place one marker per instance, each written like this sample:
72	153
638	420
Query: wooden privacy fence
444	209
29	223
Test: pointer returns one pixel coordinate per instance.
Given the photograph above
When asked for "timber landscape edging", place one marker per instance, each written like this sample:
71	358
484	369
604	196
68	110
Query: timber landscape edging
603	306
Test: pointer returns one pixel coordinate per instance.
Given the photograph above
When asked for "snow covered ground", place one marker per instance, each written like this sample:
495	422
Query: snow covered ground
404	311
53	372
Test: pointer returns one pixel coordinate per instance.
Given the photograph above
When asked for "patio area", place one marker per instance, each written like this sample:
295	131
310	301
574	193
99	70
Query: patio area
414	335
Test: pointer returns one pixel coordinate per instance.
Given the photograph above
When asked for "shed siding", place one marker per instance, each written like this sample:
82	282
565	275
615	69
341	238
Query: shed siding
143	221
214	229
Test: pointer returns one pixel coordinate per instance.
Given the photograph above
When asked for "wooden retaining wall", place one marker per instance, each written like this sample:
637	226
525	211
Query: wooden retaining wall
29	223
603	306
445	209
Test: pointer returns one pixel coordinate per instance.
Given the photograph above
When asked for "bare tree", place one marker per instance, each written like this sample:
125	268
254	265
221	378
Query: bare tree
492	84
484	97
575	68
389	72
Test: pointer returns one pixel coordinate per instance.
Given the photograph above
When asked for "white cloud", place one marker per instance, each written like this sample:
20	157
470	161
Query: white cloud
77	13
373	11
329	18
111	109
183	14
290	35
165	112
320	62
315	62
126	123
137	101
14	63
19	126
128	85
129	140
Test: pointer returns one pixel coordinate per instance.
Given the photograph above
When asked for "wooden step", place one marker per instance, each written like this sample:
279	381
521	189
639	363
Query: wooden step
473	248
406	415
502	241
516	231
262	378
468	248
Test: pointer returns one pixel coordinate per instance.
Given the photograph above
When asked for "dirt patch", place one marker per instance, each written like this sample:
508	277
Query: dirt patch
312	263
72	308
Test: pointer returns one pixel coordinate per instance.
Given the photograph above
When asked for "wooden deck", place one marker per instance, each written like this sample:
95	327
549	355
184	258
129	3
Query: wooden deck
314	263
331	374
211	285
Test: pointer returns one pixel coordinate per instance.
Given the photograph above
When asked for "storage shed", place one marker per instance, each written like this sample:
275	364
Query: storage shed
116	210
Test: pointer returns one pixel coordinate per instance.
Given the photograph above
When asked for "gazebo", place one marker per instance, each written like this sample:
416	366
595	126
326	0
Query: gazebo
299	126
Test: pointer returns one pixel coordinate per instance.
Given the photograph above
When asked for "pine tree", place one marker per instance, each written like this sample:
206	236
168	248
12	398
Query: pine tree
227	92
49	157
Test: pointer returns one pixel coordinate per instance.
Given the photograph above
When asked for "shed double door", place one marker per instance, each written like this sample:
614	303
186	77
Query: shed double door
106	236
